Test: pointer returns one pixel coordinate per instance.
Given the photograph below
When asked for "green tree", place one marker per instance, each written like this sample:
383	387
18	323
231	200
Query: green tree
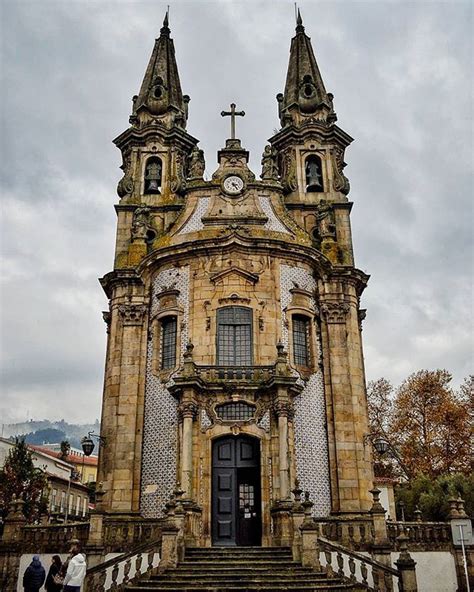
21	478
431	495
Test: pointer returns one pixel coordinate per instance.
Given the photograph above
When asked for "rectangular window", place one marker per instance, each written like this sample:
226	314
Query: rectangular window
234	336
84	506
78	505
301	354
63	502
54	494
168	342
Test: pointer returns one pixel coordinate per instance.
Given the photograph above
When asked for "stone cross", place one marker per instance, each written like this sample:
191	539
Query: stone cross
233	113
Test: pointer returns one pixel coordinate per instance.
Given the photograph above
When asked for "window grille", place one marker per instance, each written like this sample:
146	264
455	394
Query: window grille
301	353
168	342
234	336
235	411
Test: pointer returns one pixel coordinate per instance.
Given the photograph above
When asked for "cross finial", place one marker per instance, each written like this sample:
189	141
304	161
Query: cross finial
233	113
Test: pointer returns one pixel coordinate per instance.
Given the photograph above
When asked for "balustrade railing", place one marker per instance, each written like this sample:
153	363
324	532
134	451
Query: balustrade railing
356	534
424	536
118	572
235	373
53	538
337	561
120	534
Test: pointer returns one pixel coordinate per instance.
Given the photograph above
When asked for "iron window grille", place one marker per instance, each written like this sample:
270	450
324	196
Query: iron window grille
235	411
234	336
168	342
301	350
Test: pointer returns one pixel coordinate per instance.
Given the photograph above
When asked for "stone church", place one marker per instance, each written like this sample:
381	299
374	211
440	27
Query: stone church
234	368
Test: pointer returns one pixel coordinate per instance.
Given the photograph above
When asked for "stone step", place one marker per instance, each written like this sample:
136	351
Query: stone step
237	550
250	575
269	587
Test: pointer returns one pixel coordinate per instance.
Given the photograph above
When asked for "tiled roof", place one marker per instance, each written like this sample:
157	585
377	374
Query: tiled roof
76	459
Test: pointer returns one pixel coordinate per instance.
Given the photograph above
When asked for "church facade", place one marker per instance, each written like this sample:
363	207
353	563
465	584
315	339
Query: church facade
234	367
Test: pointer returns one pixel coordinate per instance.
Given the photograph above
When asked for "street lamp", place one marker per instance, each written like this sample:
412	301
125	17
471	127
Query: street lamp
88	444
383	446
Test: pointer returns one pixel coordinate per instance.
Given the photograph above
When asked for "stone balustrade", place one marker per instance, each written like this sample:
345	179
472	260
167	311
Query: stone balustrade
120	534
422	536
256	374
356	534
53	538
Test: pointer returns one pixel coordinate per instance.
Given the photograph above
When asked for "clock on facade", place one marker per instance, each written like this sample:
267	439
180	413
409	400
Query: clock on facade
233	184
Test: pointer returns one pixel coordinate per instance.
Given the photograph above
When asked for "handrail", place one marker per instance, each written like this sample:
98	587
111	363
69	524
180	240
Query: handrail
358	556
126	563
381	575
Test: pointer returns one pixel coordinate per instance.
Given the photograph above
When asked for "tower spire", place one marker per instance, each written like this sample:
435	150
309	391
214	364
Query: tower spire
160	92
305	94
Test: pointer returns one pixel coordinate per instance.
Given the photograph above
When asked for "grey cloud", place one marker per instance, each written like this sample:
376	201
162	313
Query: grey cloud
401	74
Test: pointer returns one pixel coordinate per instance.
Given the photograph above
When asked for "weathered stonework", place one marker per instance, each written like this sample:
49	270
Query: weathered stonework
234	316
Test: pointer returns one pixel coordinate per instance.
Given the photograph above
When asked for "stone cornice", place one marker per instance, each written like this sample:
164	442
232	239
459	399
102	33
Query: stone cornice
292	135
355	276
119	277
137	135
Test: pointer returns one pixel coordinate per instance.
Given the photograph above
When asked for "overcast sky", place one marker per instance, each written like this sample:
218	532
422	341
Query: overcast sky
401	74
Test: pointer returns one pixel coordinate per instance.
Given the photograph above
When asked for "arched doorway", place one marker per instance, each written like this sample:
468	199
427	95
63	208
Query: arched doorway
236	492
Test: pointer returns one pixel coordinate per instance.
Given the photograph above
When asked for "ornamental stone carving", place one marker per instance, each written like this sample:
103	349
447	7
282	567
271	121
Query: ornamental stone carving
269	164
197	164
335	312
140	223
132	314
340	182
187	409
283	408
325	218
126	183
289	180
178	177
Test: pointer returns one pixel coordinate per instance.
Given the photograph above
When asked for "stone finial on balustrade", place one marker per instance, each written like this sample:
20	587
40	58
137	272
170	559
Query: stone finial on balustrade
453	508
14	521
460	507
281	367
188	366
406	566
307	507
297	491
378	512
417	513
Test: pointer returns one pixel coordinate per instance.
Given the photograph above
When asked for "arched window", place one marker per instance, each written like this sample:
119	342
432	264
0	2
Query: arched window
168	342
314	174
234	336
153	170
301	340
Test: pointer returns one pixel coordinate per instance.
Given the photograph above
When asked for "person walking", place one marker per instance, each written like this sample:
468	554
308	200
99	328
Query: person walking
54	580
34	575
76	571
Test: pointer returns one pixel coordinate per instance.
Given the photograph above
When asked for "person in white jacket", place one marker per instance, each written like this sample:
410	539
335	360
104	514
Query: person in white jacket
76	572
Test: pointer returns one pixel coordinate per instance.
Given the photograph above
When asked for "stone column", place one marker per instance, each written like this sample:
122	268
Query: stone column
351	470
187	410
283	410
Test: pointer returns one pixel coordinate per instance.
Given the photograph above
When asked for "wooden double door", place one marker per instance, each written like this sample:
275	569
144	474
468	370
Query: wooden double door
236	492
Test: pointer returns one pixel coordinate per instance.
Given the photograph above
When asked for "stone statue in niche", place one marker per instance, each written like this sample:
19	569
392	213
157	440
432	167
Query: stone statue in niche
197	164
125	185
140	223
325	218
269	164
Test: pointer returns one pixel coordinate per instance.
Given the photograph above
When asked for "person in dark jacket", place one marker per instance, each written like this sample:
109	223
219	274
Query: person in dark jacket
54	570
34	576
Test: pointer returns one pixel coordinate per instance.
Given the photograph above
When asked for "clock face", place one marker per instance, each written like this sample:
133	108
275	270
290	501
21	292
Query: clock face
233	184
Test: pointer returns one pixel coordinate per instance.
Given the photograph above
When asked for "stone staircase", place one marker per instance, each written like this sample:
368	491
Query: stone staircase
241	569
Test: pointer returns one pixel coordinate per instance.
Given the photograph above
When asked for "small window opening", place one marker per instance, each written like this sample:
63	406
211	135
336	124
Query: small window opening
168	343
235	411
153	175
301	352
314	177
